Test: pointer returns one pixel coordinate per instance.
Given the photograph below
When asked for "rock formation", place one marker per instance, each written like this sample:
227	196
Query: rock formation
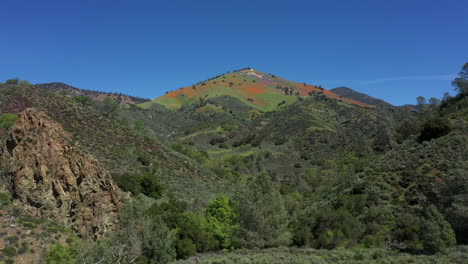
50	178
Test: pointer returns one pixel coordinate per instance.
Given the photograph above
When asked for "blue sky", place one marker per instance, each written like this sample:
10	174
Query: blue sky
394	50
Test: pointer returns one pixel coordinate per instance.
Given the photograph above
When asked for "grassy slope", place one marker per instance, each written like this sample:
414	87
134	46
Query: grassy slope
118	147
256	89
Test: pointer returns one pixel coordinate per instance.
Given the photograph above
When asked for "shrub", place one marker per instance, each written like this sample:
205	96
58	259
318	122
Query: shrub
13	81
5	198
434	128
7	120
146	183
150	186
9	251
263	217
84	100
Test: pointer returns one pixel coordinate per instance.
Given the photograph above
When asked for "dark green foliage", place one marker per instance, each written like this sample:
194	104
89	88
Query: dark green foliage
434	128
424	231
141	237
408	127
421	101
150	186
170	211
198	232
84	100
195	227
5	198
461	82
327	228
13	81
185	248
146	183
451	197
262	215
9	251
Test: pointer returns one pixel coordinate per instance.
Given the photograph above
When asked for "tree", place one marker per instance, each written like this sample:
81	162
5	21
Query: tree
262	215
446	97
150	186
84	100
13	81
141	239
452	199
421	101
434	128
327	228
110	107
222	220
461	82
434	102
59	254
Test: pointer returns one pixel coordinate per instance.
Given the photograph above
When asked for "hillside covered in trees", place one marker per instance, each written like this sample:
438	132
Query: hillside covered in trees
246	167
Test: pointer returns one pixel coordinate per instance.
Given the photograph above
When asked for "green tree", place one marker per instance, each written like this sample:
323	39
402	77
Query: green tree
222	220
434	128
262	214
434	102
421	101
150	186
110	107
446	97
327	228
461	82
141	237
452	200
13	81
60	254
84	100
436	233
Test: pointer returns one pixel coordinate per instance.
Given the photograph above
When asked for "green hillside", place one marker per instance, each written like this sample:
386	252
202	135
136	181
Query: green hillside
224	179
259	90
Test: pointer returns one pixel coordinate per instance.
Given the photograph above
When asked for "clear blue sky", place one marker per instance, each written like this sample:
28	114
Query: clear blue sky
394	50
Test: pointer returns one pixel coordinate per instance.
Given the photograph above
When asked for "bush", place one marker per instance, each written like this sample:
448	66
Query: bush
141	237
13	81
60	254
7	120
9	251
5	198
150	186
146	183
327	228
434	128
84	100
263	217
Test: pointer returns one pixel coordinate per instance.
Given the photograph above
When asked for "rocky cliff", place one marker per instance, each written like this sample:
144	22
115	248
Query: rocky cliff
51	178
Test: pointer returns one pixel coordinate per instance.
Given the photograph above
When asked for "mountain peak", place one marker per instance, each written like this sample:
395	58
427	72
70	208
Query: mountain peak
259	90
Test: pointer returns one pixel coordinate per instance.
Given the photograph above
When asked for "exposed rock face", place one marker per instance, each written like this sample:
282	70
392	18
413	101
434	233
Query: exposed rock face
52	179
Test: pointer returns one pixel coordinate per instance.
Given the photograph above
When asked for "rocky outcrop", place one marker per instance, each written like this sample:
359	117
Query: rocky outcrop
52	179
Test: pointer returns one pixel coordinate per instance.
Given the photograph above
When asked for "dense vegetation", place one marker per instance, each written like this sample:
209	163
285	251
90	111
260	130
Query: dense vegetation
315	181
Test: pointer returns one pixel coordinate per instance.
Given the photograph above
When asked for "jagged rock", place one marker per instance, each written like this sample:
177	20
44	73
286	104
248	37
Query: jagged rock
52	179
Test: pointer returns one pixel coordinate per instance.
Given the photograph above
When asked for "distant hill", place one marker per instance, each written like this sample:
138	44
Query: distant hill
71	91
261	91
354	95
